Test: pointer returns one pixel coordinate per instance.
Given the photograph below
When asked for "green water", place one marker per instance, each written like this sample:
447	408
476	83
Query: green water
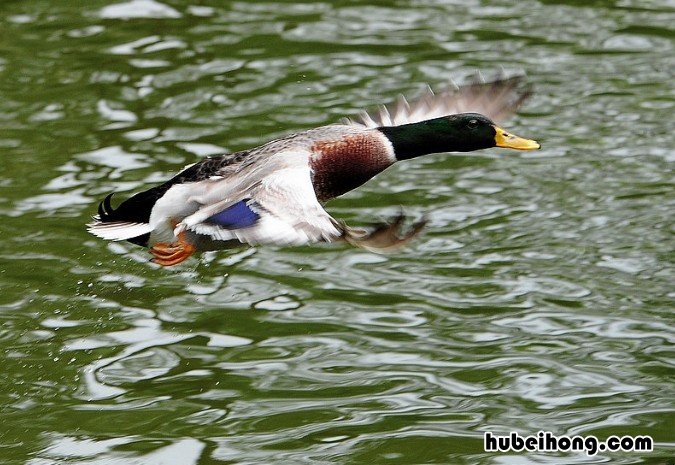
540	297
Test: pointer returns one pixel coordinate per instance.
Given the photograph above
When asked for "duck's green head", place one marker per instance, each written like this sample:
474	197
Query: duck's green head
473	131
463	132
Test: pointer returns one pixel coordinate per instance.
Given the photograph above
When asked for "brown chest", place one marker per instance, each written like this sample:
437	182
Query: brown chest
342	165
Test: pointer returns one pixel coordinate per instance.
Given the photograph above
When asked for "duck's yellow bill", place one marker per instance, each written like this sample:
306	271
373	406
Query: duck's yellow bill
511	141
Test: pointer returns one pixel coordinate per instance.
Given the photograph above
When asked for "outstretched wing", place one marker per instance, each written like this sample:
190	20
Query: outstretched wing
496	99
281	208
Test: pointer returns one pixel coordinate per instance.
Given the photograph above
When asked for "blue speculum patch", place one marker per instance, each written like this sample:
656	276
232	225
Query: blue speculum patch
239	215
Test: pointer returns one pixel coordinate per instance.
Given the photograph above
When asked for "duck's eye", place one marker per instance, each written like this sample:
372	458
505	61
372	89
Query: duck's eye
472	124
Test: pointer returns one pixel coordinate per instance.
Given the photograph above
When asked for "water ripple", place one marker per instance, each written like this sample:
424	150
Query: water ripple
539	298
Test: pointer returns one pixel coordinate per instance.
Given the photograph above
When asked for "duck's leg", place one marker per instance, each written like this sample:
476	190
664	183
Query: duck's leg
384	237
174	253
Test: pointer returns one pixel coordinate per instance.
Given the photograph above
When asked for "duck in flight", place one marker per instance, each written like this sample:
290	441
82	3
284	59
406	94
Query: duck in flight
274	193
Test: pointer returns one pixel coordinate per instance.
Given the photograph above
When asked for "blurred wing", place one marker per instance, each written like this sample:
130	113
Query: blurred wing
497	100
280	209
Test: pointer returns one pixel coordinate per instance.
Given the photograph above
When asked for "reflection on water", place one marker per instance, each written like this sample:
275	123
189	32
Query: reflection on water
540	297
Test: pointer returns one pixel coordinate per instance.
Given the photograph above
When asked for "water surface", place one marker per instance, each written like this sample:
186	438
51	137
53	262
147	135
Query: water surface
541	296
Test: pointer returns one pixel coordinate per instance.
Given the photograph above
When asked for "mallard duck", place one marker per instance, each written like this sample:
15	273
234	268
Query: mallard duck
274	193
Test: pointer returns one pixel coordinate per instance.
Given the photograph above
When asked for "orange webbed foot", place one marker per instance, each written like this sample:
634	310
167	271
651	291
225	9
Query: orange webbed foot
174	253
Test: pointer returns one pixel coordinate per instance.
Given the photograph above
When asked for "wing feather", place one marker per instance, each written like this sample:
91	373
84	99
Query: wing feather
495	99
285	203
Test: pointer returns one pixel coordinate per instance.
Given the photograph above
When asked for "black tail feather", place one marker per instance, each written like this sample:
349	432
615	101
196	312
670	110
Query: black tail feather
136	209
105	209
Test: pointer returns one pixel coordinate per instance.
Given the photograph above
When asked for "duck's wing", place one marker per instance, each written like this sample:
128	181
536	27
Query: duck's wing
496	99
383	237
278	208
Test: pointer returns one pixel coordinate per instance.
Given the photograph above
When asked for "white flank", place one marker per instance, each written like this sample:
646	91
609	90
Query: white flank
497	100
117	230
